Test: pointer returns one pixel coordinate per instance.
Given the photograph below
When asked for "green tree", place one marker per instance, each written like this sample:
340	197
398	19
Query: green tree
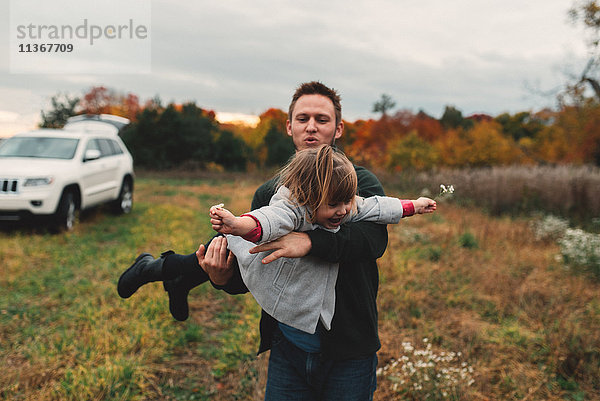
170	137
279	146
144	140
231	151
453	118
384	104
63	107
519	125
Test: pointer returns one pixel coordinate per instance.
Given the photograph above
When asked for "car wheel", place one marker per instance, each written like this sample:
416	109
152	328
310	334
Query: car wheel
124	202
66	214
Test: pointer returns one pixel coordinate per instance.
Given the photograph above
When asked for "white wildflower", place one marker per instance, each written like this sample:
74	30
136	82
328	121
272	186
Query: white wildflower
581	248
549	228
445	189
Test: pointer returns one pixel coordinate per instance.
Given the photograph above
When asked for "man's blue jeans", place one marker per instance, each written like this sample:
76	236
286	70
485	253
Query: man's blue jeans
301	376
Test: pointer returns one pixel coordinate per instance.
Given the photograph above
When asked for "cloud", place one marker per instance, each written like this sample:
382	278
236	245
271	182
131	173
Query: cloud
8	116
245	57
12	123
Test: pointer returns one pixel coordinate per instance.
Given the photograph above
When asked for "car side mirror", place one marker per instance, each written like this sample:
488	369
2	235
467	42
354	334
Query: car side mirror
91	154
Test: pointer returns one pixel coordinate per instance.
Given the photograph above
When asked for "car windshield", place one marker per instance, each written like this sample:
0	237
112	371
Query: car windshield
46	148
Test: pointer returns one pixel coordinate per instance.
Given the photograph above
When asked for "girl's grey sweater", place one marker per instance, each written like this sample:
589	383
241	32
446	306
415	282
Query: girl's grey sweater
299	292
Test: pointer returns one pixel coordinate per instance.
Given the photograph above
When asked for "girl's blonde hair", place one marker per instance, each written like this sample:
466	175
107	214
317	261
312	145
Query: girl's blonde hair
315	176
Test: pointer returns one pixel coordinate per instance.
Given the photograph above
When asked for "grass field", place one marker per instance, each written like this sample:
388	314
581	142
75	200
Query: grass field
471	307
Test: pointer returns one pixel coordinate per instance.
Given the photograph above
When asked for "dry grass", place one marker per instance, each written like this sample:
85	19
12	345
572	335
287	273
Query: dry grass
529	327
563	190
468	282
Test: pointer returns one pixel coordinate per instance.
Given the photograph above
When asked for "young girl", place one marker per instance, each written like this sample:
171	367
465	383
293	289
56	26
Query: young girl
317	190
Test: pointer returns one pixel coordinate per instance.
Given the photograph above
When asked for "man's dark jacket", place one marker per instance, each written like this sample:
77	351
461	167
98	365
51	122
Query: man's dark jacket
356	246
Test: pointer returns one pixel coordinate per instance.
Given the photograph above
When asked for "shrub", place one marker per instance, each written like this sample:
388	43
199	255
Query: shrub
468	240
581	250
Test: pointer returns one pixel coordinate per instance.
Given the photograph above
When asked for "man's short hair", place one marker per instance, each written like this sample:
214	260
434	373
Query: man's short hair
317	88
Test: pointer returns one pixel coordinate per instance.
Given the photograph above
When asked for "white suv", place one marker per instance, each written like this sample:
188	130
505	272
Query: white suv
54	173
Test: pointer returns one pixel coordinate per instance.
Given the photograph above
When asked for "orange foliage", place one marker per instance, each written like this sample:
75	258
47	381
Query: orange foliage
427	127
255	137
100	100
409	140
482	145
359	149
581	127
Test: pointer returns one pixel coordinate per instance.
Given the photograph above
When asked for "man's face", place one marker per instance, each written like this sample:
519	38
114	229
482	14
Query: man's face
313	122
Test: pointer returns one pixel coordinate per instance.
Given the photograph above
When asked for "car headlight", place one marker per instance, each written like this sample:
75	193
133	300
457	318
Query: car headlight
38	181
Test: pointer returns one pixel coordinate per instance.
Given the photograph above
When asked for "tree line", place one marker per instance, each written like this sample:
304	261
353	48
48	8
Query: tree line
185	135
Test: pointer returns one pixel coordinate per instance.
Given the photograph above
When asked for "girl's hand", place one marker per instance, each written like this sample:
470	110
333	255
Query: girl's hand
225	222
222	220
424	205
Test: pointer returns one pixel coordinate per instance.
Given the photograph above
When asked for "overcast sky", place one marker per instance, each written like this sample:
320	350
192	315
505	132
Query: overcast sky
242	56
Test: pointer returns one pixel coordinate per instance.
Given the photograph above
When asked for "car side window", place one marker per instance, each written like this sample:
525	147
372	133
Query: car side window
115	147
93	144
105	147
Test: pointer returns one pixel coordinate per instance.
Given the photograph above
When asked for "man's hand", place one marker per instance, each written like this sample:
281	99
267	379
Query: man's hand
215	261
292	245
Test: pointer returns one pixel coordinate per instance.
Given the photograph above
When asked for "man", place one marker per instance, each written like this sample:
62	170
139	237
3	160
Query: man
345	366
338	364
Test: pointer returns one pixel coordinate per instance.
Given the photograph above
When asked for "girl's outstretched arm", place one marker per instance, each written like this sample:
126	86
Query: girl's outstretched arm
225	222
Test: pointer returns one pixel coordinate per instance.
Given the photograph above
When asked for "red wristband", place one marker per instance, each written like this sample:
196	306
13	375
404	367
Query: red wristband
408	208
255	234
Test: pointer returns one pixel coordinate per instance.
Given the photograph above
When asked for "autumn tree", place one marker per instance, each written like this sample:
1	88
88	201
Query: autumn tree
579	126
63	107
411	152
427	127
271	127
130	106
481	146
356	141
98	100
551	145
101	100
